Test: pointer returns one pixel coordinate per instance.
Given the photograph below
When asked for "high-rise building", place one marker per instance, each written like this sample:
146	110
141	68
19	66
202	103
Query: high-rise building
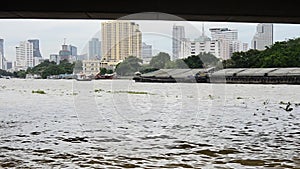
120	39
65	53
178	35
55	58
24	55
2	54
73	50
9	65
146	52
36	47
228	41
224	34
94	49
263	36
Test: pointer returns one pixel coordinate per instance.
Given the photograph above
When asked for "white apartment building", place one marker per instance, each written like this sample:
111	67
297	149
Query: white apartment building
120	39
228	42
24	55
221	49
263	36
224	33
192	48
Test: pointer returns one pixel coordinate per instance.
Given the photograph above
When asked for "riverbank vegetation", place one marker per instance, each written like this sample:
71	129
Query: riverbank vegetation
47	68
163	61
281	54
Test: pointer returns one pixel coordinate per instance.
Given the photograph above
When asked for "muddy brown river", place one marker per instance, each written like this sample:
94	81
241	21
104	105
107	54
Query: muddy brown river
124	124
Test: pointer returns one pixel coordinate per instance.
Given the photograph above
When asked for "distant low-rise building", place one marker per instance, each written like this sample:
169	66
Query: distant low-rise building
91	67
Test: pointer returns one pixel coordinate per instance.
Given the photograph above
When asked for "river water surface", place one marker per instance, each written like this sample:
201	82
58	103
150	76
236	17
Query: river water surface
123	124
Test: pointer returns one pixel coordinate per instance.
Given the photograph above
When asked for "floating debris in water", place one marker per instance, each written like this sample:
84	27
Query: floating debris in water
38	91
128	92
98	90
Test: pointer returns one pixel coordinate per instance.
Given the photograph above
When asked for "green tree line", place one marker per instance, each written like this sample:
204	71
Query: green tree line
281	54
47	68
162	60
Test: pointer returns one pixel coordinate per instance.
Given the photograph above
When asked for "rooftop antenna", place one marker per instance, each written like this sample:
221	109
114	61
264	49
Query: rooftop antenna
64	41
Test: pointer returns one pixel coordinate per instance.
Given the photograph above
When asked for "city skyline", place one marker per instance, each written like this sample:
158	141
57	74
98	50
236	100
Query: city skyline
51	33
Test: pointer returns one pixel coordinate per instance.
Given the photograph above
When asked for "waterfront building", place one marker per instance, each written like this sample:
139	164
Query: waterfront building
24	55
263	36
92	67
178	36
94	49
120	39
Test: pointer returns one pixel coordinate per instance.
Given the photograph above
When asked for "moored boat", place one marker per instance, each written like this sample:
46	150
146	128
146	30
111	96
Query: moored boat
105	76
83	77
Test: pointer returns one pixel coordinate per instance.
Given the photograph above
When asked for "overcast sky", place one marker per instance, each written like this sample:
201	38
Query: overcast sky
51	33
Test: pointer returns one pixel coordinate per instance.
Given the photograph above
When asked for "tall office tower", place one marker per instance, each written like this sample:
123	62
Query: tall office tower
36	47
73	50
178	35
263	36
120	39
9	65
146	53
94	49
24	55
2	54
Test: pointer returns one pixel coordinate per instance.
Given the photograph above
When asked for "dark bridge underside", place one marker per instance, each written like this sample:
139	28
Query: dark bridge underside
209	10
